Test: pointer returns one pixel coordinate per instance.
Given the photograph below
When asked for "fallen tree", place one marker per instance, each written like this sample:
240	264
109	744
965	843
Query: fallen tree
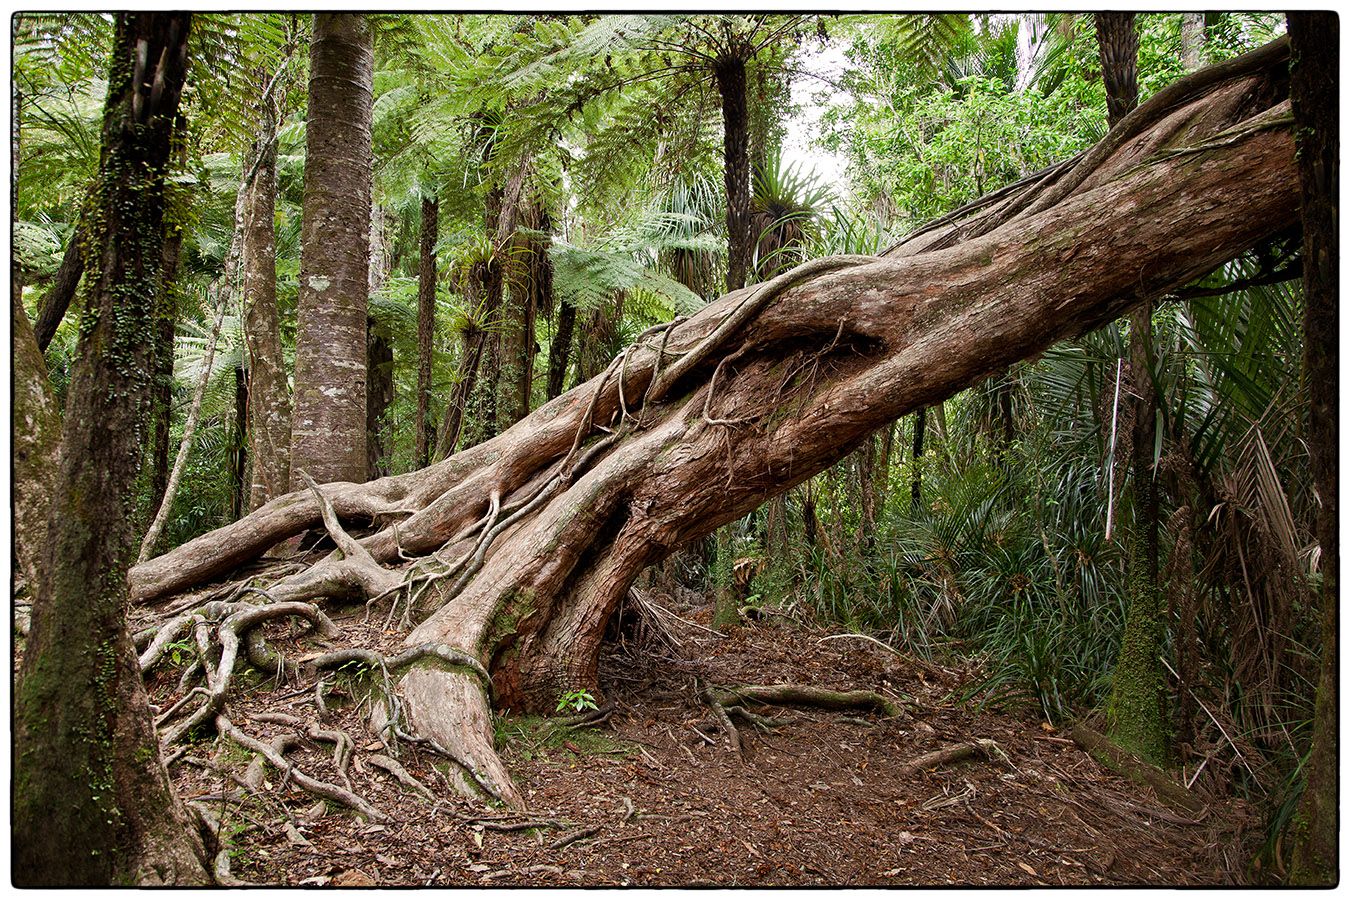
512	554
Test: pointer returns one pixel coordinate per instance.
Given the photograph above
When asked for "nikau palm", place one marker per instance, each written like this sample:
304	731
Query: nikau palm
519	548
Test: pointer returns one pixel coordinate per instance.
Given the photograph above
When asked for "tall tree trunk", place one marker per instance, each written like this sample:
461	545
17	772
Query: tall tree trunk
509	289
473	343
426	327
62	290
328	431
560	351
554	518
92	802
1316	42
731	84
269	402
1135	712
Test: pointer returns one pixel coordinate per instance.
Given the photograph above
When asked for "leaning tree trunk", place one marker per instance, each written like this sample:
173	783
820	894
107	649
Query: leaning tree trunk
35	430
269	402
731	84
328	430
1315	38
92	803
539	532
426	328
59	295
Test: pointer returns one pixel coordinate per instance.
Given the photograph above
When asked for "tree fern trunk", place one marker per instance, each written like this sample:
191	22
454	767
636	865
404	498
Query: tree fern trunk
731	84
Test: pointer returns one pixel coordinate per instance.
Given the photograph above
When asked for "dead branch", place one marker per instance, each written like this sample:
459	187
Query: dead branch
807	695
573	836
955	753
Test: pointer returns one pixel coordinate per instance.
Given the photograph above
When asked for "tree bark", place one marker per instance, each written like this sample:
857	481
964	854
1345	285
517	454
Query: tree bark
560	351
269	402
379	396
239	480
426	327
1316	41
1192	40
59	295
1135	712
916	460
166	322
92	802
36	430
731	84
550	521
328	431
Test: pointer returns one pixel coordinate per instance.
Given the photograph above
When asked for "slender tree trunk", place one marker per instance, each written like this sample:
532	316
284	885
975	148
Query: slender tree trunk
92	802
269	403
328	431
560	351
916	461
426	327
379	349
1315	39
509	289
239	481
554	518
62	290
731	84
1135	712
161	408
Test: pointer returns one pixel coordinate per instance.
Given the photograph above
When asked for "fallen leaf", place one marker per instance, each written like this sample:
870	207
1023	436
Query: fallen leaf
353	878
1047	728
904	837
319	880
1028	869
479	867
373	829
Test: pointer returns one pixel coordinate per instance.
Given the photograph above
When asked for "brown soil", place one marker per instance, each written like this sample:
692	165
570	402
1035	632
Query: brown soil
821	799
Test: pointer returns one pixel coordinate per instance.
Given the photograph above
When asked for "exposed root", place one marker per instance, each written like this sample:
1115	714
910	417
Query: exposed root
956	753
807	695
404	778
273	754
573	836
720	714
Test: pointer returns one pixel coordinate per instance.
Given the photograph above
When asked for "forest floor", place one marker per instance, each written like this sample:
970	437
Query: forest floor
654	796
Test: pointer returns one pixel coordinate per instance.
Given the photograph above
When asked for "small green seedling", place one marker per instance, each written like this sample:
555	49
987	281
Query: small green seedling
576	701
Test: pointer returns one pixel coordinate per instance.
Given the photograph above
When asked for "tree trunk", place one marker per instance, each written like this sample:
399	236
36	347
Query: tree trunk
239	447
328	431
1316	44
161	404
731	84
426	327
59	295
1135	712
92	803
269	402
1192	40
551	521
916	461
36	430
379	396
509	290
560	351
1118	46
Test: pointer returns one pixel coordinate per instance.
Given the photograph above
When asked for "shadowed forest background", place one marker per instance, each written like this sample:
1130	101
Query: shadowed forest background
409	408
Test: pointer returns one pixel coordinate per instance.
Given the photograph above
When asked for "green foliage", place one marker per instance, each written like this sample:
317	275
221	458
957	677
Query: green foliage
576	701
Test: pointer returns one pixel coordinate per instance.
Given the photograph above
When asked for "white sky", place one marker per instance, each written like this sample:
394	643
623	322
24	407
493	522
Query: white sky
804	128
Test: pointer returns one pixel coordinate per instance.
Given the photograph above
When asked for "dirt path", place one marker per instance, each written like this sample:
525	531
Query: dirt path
648	800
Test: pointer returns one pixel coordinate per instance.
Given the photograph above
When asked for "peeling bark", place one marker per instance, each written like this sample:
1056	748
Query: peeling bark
538	532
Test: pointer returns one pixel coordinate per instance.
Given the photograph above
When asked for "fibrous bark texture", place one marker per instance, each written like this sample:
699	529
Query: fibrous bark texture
269	402
732	85
1315	38
328	430
524	545
92	802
